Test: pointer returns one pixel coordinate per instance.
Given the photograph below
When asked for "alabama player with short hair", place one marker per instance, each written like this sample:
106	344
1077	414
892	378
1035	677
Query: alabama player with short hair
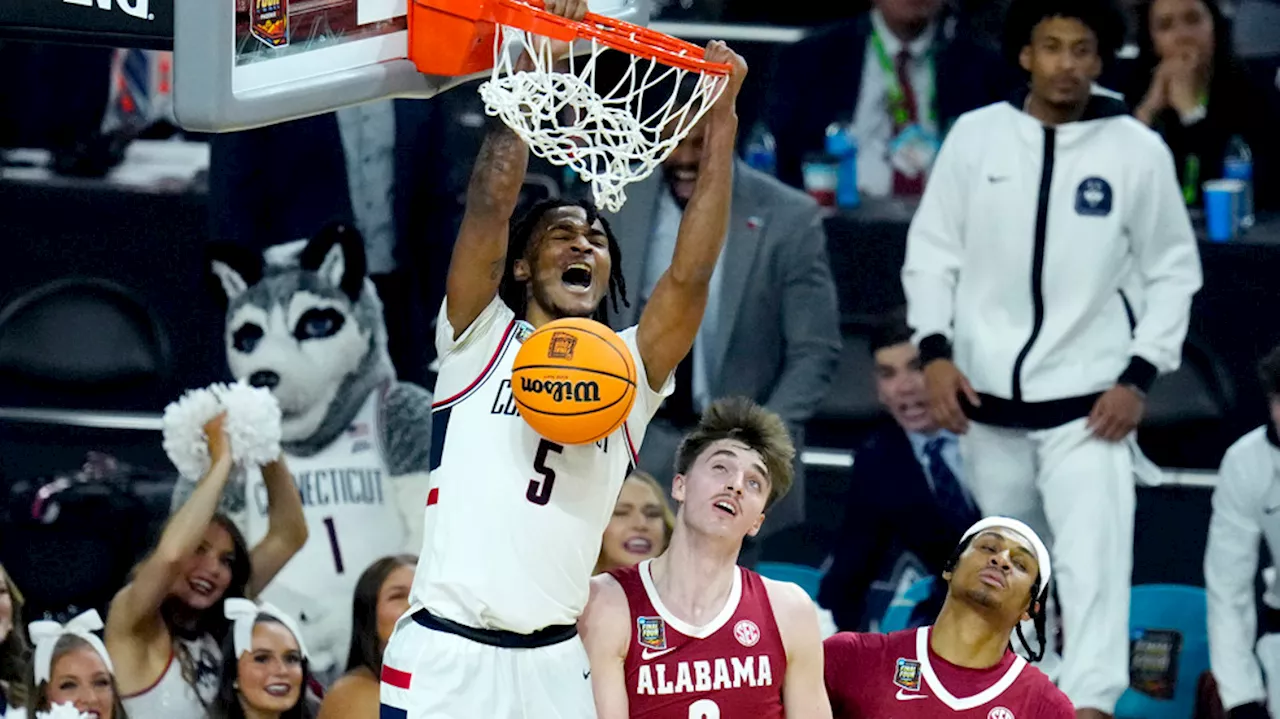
689	634
962	665
513	521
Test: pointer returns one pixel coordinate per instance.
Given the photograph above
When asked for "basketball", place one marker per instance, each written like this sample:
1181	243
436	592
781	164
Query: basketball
574	381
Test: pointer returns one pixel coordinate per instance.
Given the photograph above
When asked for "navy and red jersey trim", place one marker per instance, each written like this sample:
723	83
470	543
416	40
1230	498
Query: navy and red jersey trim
484	374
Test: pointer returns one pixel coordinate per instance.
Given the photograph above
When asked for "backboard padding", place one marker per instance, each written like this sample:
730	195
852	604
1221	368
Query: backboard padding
338	53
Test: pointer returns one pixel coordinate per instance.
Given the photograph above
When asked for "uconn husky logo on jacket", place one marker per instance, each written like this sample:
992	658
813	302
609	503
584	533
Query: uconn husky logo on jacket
304	321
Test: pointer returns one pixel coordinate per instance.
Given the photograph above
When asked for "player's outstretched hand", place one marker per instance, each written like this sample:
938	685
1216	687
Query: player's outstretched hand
1116	413
216	438
944	383
717	51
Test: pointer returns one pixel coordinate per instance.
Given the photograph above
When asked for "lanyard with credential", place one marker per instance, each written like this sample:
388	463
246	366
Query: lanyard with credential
897	99
1191	168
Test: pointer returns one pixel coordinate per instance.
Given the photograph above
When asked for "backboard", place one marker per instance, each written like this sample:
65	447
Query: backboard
240	64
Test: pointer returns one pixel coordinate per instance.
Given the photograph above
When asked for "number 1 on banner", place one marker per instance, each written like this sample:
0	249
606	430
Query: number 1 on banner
333	543
704	709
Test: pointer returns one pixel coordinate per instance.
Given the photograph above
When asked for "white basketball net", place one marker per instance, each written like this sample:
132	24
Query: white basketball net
608	139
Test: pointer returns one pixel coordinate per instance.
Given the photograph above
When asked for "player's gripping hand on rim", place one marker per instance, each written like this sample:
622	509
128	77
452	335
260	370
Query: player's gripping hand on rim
574	10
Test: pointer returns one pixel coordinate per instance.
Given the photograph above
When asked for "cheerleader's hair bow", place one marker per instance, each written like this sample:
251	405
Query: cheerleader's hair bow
66	710
45	635
244	614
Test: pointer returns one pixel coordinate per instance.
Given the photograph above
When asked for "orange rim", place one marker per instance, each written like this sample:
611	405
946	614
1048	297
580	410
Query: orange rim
647	44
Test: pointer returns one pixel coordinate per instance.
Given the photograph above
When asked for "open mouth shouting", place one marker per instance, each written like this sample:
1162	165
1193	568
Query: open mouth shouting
577	277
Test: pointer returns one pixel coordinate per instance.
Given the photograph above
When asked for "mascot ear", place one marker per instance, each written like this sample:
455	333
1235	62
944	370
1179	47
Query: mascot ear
234	268
337	255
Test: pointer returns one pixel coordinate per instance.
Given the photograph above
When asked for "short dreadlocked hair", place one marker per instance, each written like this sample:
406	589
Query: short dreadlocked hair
741	419
514	292
1038	597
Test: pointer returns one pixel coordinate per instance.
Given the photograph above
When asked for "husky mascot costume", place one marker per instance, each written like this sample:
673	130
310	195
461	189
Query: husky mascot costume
304	321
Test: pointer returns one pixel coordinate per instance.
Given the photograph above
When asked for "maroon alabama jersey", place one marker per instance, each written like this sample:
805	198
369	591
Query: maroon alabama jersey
733	666
872	676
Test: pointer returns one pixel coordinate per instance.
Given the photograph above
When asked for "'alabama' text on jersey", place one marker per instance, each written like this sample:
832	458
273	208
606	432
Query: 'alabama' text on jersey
733	666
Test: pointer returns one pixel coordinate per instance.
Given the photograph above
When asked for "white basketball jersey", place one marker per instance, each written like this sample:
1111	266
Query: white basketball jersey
352	521
513	521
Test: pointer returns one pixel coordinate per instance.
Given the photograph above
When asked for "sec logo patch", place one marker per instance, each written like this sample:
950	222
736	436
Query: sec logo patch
1000	713
746	632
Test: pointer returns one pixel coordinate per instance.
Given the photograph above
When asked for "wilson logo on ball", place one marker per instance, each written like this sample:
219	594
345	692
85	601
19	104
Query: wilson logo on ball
562	391
574	380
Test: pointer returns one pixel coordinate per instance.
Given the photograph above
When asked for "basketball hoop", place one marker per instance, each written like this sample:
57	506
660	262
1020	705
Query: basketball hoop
609	136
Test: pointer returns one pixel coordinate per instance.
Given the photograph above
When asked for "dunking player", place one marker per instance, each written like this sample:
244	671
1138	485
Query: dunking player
689	633
514	522
961	666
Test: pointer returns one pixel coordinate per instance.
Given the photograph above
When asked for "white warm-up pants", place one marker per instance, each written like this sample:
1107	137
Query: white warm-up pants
1082	488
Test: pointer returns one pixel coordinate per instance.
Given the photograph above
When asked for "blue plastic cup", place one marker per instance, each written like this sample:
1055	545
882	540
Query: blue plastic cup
1222	200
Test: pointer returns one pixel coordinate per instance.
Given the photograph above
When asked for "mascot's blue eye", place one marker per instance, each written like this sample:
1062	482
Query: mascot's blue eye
318	323
246	338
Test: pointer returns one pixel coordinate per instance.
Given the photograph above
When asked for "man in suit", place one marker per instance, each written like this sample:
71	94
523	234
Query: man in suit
771	328
905	495
901	74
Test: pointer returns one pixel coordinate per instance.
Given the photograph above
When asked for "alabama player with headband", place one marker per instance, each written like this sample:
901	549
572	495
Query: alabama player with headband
689	634
505	572
963	665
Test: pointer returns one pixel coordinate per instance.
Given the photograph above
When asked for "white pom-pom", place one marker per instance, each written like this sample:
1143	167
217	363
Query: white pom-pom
252	426
62	711
253	423
184	439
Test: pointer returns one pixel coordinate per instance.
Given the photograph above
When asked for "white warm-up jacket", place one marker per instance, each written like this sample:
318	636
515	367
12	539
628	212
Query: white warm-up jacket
1022	245
1246	510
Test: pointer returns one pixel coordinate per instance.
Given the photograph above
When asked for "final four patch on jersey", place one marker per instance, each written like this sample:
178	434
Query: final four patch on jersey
906	674
1093	197
523	330
651	632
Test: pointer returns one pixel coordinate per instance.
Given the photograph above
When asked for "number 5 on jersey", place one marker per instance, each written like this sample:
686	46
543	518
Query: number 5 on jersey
540	490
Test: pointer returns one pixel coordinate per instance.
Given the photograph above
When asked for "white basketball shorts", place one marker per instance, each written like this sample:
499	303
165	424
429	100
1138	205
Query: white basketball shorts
433	674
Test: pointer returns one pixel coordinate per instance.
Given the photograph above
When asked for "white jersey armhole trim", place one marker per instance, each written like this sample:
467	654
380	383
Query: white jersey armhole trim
704	631
965	703
508	336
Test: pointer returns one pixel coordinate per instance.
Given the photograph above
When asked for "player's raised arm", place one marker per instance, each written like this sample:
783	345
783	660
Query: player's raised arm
674	311
605	628
480	252
804	691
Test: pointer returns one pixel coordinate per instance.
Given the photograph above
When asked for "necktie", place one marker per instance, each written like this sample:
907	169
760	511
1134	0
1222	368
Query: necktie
946	486
902	184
